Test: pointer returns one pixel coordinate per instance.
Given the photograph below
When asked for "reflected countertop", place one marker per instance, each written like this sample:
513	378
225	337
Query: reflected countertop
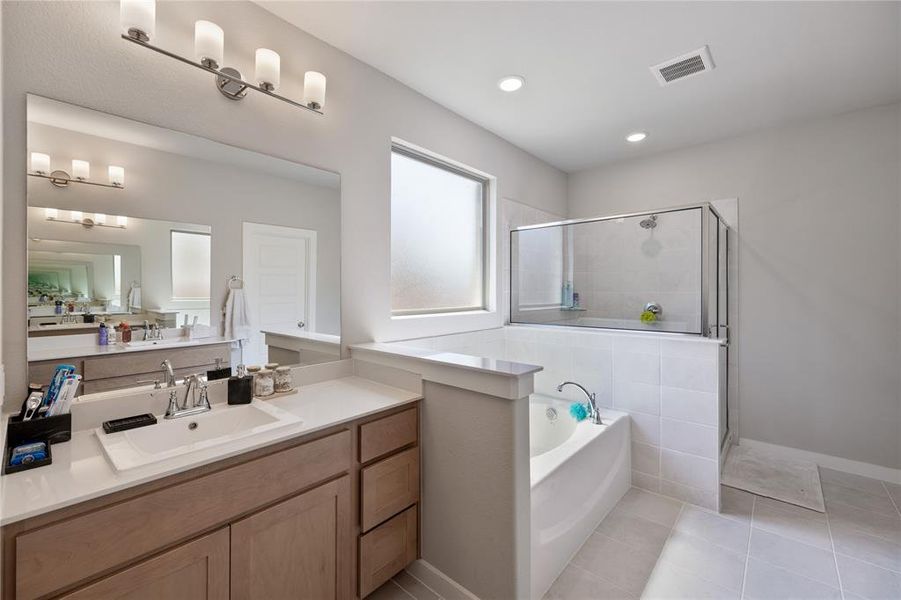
77	348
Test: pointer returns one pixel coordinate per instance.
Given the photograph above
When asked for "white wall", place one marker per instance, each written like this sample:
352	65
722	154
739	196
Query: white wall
73	52
819	275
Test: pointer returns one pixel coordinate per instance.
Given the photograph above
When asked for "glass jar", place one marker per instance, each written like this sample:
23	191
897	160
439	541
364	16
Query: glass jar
284	379
272	366
264	383
252	372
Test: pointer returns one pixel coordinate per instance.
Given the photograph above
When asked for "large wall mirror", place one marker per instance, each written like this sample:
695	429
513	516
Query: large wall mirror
147	244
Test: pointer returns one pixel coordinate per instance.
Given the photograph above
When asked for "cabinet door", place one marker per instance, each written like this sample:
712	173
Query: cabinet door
197	570
300	548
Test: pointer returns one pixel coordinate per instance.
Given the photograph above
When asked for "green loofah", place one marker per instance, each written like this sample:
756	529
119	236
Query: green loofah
648	317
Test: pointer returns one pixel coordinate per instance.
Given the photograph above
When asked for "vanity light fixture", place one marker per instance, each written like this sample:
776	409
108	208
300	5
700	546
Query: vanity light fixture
76	217
81	173
138	19
636	136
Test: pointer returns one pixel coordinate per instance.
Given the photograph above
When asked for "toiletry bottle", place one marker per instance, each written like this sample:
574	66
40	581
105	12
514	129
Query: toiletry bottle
104	334
240	387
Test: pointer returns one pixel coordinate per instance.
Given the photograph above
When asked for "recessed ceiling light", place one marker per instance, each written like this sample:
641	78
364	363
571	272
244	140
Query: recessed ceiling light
636	137
511	83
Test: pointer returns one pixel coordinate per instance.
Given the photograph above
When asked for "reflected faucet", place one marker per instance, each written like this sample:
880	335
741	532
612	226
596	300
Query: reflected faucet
168	373
594	415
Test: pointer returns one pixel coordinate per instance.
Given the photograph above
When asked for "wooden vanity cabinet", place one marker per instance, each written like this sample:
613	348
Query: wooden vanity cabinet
284	521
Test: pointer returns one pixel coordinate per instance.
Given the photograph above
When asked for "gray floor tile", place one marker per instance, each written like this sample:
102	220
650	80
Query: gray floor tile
868	581
791	509
736	504
878	551
652	507
894	490
766	582
414	587
791	524
704	559
850	480
633	530
670	582
809	561
714	528
575	583
390	591
866	521
613	561
877	502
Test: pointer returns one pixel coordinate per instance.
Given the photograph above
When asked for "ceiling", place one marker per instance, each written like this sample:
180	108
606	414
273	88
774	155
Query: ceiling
586	65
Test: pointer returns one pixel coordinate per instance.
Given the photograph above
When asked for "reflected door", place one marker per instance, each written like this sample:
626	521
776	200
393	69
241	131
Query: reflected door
279	283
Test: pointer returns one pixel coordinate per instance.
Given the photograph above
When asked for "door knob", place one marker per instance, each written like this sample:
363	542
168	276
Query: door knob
301	324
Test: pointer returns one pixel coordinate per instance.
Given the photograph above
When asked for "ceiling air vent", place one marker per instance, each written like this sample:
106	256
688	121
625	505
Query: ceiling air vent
689	64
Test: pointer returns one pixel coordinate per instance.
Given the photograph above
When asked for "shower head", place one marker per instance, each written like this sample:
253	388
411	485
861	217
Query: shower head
649	223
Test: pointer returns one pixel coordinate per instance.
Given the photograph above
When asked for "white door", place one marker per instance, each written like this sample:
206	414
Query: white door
279	283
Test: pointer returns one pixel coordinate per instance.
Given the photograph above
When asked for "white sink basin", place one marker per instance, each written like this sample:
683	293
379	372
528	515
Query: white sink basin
143	343
174	437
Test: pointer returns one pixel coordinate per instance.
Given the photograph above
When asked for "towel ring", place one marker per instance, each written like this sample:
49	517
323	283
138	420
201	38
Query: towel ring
235	282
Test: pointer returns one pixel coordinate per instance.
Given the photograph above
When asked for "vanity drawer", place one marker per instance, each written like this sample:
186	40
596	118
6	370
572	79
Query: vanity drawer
42	372
387	549
126	381
389	486
56	556
148	361
380	437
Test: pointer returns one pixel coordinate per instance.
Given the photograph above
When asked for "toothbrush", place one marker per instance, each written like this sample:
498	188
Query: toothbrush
59	376
65	397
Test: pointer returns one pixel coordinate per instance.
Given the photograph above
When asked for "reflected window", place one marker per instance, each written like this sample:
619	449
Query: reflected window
438	236
190	265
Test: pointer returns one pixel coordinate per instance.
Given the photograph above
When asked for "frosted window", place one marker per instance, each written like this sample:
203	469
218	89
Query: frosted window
190	265
437	237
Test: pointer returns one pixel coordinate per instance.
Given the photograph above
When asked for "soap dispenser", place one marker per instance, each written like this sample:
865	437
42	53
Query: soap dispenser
240	387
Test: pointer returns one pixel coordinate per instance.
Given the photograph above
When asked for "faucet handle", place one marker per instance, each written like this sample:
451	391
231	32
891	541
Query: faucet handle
204	394
155	382
173	403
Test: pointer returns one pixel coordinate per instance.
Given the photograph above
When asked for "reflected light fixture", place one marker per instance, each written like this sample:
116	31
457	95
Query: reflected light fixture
76	217
636	136
510	83
138	20
81	173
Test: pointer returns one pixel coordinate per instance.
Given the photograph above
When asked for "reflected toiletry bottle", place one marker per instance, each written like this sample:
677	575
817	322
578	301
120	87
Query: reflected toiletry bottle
240	387
104	334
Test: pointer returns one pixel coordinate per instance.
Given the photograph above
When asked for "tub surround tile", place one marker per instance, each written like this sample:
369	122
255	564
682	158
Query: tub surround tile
645	458
701	348
689	373
689	470
766	582
689	438
633	367
645	428
636	397
703	498
636	344
689	405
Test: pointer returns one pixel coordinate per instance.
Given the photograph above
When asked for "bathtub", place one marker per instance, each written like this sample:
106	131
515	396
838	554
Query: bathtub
579	471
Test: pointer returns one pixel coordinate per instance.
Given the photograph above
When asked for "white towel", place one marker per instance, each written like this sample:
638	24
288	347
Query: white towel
134	297
237	315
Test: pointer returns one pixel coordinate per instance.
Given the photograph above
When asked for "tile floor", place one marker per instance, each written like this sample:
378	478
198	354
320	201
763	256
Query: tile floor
756	549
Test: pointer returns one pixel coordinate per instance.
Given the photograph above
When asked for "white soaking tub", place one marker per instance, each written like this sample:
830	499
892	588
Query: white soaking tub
579	471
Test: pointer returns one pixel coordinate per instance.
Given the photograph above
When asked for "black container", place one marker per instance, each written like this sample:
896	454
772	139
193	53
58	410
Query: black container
51	430
240	387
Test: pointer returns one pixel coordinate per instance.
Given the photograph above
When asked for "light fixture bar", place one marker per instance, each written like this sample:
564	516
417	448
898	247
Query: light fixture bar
85	222
218	73
61	181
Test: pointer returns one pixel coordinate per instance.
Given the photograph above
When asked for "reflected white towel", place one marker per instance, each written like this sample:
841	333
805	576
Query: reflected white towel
237	315
134	297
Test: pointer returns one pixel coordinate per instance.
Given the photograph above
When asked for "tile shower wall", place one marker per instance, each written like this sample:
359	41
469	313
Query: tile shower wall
670	387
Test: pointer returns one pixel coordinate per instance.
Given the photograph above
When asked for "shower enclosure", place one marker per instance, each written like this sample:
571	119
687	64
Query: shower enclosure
665	271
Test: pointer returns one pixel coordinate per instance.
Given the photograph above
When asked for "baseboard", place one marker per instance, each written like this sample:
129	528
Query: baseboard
830	462
438	582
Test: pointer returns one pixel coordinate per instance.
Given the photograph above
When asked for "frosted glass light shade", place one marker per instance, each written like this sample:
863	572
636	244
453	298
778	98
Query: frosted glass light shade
122	221
116	175
100	218
76	215
40	163
268	68
51	213
209	44
314	89
137	17
81	169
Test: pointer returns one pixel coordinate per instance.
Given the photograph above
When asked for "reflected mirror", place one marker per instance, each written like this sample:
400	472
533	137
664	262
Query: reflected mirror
147	244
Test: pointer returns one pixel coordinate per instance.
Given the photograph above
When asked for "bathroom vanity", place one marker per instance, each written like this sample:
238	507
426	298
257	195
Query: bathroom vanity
325	508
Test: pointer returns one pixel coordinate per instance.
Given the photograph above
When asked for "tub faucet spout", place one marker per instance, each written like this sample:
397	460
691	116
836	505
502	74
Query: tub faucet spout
594	415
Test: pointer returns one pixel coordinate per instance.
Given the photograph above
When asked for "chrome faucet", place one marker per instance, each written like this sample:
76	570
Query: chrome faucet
594	415
152	331
168	373
196	405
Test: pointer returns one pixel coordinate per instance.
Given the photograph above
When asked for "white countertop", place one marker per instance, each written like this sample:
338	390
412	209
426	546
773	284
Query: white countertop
80	470
480	364
300	334
61	351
